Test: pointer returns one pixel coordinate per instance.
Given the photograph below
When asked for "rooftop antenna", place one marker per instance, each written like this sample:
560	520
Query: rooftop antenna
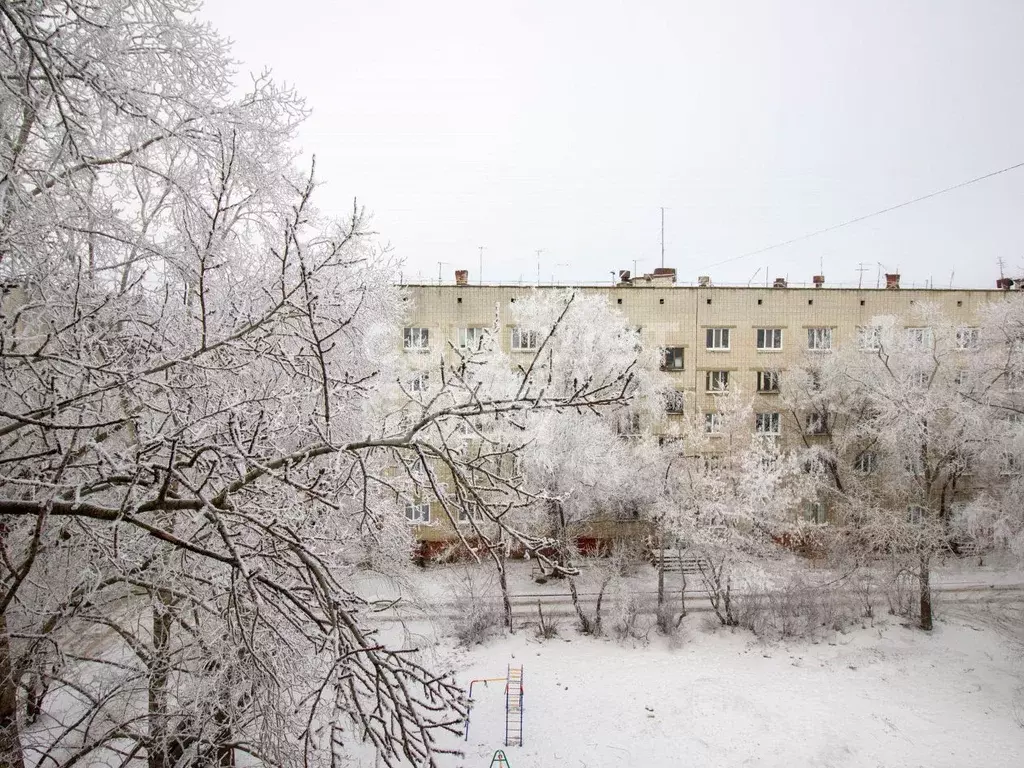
439	265
662	239
481	265
861	269
613	277
752	277
1001	264
952	272
539	251
555	266
636	261
878	277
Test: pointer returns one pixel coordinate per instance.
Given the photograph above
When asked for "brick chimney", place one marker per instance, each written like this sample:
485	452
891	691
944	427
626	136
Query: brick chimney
892	282
818	280
462	277
665	273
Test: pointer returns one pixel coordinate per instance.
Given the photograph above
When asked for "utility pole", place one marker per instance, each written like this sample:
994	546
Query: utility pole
539	251
662	238
481	277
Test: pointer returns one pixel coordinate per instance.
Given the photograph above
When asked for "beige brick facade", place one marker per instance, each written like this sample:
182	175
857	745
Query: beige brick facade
680	317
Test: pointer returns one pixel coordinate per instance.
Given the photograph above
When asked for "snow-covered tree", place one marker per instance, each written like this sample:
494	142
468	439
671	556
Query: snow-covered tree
203	430
891	436
730	493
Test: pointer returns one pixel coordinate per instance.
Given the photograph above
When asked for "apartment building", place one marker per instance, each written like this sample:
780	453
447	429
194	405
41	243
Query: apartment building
713	337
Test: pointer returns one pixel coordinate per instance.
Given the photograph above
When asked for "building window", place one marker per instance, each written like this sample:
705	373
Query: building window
417	512
920	379
417	339
675	402
817	423
712	464
420	382
1014	381
474	513
673	359
717	381
628	424
768	382
523	340
471	338
968	338
916	514
819	339
866	462
718	339
1008	464
814	512
869	338
919	338
713	423
769	338
767	423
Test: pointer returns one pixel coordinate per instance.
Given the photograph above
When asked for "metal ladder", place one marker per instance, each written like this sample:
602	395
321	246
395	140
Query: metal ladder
514	707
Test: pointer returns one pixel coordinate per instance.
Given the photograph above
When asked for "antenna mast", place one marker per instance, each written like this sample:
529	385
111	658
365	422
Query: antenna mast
539	251
663	238
481	277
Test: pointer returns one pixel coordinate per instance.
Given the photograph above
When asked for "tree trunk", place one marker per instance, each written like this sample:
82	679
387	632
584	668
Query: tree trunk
10	739
926	592
158	750
663	611
506	599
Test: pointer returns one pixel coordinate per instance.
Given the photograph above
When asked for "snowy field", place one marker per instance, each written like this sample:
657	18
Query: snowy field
877	694
882	696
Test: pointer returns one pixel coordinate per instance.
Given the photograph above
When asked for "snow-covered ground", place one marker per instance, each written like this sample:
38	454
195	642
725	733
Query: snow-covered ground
885	695
878	694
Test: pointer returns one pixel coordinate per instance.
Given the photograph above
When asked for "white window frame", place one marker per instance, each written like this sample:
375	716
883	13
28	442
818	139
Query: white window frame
919	338
916	514
814	512
768	339
672	356
716	382
817	423
968	338
628	424
869	338
522	340
713	423
920	379
866	462
819	339
675	401
1008	464
765	381
416	339
417	512
420	382
717	339
471	336
768	423
463	518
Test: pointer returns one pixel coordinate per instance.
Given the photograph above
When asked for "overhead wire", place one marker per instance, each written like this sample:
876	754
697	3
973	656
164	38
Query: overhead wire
868	215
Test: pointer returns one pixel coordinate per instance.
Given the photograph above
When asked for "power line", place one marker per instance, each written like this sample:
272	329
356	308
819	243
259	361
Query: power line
868	215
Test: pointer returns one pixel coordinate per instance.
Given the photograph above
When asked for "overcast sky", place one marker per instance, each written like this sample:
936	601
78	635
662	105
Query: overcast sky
565	126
